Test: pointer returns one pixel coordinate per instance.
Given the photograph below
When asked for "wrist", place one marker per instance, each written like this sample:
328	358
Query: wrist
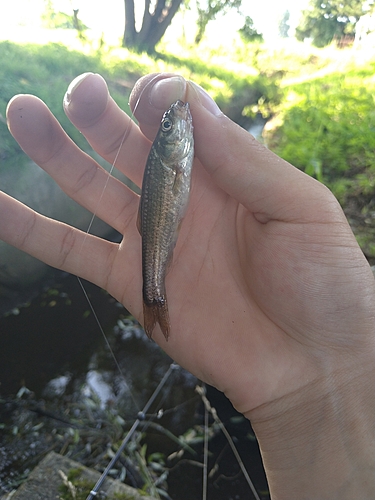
319	442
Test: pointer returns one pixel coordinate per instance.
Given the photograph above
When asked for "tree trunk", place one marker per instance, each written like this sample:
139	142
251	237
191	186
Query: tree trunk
129	32
154	24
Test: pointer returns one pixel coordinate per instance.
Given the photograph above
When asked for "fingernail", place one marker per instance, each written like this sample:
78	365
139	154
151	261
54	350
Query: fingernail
205	99
167	91
73	87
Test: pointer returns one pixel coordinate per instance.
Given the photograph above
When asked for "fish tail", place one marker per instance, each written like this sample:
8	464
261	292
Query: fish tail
156	312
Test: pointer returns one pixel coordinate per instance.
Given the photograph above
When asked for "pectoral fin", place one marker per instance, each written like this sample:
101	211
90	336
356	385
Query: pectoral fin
178	180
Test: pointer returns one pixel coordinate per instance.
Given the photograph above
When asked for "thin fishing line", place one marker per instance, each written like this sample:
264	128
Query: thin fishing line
167	374
215	416
117	155
109	173
205	455
106	183
155	415
106	340
129	435
142	414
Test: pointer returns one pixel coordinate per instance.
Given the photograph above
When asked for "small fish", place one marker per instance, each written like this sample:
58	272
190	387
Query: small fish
163	203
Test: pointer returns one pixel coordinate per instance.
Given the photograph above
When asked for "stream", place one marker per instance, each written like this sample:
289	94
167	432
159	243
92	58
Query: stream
60	389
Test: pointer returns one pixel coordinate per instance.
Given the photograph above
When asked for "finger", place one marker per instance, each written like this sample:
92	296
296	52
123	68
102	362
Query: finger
150	99
42	138
114	267
107	128
57	244
268	186
271	188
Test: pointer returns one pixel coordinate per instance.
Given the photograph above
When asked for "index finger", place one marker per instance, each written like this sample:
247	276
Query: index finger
108	129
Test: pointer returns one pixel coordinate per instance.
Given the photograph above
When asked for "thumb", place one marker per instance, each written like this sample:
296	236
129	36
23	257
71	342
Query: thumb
269	187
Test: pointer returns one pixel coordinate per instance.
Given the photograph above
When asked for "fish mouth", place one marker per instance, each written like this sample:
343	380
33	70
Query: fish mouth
182	110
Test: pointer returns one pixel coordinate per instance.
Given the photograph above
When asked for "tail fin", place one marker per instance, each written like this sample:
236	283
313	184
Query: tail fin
157	312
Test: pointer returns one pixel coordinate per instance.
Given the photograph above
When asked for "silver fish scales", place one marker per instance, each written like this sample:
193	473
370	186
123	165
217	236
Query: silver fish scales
163	203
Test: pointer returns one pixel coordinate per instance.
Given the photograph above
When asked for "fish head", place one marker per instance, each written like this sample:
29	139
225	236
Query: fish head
175	135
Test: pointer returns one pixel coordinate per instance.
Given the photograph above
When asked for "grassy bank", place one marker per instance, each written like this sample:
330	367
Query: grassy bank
325	126
47	70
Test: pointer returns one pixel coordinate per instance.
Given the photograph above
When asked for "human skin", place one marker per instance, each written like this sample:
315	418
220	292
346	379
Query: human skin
271	300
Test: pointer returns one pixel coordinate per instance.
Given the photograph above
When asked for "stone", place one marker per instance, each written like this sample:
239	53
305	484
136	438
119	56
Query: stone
46	480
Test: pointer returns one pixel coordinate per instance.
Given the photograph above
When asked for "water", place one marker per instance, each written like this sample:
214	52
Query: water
54	348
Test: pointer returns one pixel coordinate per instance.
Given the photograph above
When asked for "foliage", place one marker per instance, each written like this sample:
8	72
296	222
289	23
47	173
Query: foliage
332	19
46	72
326	127
52	19
35	70
208	10
80	428
248	32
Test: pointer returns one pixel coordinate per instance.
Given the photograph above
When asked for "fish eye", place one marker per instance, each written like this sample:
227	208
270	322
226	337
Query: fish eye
166	125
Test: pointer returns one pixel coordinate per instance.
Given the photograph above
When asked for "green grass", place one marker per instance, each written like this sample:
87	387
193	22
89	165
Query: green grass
325	125
47	70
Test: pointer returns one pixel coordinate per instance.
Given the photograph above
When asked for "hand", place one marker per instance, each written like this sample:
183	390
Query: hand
270	297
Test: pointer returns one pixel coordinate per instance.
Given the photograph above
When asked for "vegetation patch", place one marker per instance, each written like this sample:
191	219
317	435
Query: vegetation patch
325	126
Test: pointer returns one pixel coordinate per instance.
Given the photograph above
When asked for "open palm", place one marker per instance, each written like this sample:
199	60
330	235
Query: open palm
267	279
